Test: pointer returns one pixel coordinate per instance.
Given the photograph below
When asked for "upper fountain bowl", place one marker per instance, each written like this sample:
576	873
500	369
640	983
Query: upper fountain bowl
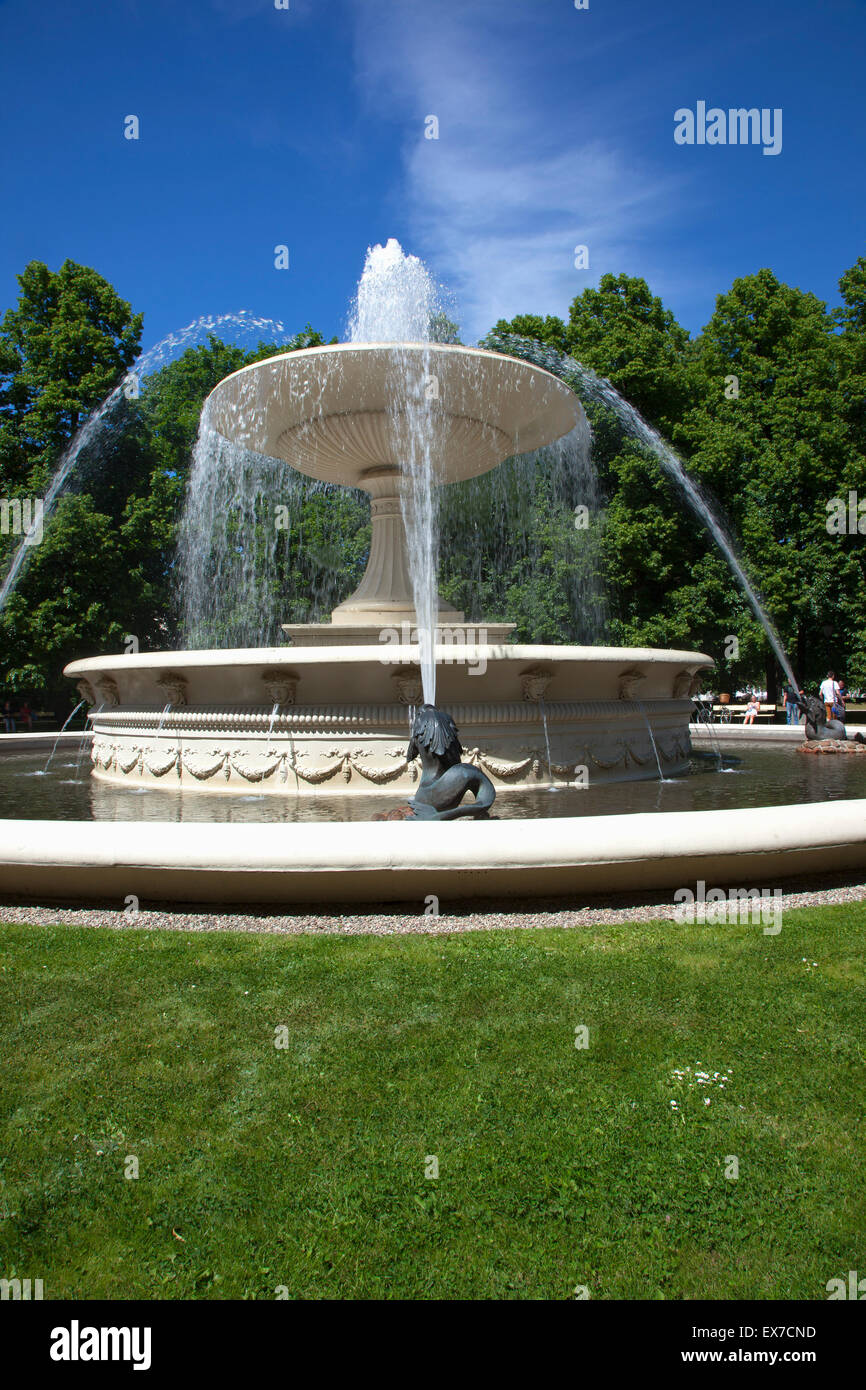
336	413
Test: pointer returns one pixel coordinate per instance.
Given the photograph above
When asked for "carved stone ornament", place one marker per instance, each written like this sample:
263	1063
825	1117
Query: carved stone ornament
407	684
629	681
175	688
107	688
534	682
281	686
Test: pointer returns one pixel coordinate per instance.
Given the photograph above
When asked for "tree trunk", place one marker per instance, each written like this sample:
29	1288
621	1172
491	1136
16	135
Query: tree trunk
800	672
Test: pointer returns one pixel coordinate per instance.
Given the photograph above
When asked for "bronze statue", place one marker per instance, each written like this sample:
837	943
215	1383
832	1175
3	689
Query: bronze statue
818	726
445	780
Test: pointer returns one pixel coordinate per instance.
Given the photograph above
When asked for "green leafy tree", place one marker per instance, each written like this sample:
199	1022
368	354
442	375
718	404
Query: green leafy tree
443	329
771	438
550	329
77	600
625	333
63	348
106	566
767	407
510	551
851	318
646	549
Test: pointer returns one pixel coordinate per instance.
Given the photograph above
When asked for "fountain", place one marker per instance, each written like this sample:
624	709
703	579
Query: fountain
346	706
398	419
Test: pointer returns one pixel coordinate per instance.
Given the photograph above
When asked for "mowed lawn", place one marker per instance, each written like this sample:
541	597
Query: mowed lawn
305	1168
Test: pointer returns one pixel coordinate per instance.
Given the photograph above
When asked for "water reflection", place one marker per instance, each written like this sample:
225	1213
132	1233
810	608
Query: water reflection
758	777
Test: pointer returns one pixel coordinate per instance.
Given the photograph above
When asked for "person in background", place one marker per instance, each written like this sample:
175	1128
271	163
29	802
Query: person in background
9	717
792	705
25	714
752	708
841	697
829	693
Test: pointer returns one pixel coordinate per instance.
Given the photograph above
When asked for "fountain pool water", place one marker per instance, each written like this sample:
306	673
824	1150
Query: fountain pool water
760	776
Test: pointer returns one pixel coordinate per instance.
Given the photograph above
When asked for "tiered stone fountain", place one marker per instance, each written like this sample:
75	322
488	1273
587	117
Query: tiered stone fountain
330	711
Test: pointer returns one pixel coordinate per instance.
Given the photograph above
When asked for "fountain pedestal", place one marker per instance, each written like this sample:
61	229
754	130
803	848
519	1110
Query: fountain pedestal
383	602
384	595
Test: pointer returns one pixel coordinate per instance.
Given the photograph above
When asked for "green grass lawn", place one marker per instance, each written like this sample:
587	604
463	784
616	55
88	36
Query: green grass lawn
559	1166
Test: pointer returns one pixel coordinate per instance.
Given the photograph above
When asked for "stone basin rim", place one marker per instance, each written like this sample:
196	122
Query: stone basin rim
408	655
324	350
300	407
371	862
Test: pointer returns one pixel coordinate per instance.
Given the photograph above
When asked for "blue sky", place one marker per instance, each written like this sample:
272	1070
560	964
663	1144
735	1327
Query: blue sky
305	127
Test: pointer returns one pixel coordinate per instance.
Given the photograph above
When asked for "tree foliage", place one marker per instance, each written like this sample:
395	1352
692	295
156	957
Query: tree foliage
767	407
62	349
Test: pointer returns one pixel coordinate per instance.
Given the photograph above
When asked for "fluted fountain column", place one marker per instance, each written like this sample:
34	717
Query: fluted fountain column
385	592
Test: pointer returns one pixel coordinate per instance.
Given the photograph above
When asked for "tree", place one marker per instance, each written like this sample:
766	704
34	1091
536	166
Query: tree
510	550
643	546
771	437
851	318
106	565
768	409
550	330
78	600
625	333
443	330
62	350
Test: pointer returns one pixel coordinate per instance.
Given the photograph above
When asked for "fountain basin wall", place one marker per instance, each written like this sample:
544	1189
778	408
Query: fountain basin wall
343	715
405	862
728	735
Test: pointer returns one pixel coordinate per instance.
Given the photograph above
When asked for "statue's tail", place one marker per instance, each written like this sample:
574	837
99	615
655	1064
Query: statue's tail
485	795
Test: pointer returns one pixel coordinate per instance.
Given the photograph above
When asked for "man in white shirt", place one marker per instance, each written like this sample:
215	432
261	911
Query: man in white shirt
829	693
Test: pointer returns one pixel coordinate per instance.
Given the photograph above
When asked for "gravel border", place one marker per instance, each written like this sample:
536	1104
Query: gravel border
401	919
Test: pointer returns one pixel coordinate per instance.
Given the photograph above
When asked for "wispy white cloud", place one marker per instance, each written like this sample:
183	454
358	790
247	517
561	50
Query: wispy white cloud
534	156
